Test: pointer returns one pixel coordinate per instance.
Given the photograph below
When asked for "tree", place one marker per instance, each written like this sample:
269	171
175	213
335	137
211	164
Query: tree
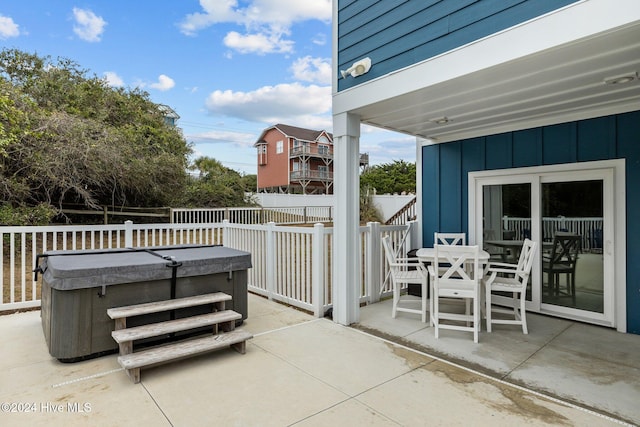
66	136
390	178
215	186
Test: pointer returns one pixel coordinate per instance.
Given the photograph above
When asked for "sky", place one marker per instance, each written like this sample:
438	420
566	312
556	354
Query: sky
229	68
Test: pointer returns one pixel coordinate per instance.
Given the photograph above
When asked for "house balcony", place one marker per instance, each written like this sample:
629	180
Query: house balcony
306	150
312	175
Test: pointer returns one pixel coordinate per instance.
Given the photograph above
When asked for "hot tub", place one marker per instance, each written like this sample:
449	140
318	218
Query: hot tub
79	286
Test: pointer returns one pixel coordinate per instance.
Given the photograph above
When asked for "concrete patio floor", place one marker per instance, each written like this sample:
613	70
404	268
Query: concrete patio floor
590	366
312	372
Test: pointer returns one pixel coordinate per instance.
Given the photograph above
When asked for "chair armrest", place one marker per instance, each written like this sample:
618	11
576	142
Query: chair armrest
408	259
504	270
407	264
502	265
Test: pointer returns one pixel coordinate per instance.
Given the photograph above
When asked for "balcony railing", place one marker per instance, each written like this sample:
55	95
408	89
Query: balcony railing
310	150
312	174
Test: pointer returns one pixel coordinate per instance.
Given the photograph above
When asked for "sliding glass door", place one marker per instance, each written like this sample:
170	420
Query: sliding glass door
570	216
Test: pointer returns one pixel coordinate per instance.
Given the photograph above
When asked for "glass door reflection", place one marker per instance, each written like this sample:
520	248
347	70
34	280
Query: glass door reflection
506	222
572	235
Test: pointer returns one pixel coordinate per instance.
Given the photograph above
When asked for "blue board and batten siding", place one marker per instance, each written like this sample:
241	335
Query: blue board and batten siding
446	167
399	33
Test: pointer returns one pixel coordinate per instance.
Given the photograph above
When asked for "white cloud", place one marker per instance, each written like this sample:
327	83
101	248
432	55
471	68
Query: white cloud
313	70
113	79
239	139
215	11
259	43
89	27
286	12
164	83
8	28
266	22
320	39
285	103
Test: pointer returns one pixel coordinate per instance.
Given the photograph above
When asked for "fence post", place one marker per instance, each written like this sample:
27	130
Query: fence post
373	265
271	257
225	233
128	234
318	262
413	242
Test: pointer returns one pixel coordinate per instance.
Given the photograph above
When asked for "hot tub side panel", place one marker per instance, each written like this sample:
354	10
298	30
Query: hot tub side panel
76	324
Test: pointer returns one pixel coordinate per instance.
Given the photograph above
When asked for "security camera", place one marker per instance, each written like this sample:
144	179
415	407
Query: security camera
358	68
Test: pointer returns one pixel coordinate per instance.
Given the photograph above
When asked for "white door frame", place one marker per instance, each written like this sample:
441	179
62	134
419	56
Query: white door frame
614	245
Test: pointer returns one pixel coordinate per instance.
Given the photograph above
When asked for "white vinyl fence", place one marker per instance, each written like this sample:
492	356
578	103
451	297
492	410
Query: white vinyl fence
279	215
290	264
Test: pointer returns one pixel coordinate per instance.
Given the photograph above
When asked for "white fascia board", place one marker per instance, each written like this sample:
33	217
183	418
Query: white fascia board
574	22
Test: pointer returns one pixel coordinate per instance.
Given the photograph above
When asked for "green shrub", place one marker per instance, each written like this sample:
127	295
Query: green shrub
27	215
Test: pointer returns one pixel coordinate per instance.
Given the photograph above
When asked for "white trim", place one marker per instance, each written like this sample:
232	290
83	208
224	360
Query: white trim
419	218
346	253
618	199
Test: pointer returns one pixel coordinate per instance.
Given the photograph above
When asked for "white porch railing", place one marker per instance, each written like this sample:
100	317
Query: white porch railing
279	215
590	229
290	264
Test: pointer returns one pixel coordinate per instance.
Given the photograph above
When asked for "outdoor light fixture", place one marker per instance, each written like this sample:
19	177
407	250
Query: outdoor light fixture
358	68
621	79
440	120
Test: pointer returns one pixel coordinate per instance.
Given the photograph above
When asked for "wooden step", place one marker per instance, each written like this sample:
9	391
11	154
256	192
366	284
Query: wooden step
157	355
170	326
158	306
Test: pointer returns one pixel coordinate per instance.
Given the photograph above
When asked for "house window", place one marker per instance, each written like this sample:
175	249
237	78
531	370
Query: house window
279	147
323	150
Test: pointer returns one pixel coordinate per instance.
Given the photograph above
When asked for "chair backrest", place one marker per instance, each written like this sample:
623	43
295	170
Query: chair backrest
456	265
388	250
525	262
449	238
565	248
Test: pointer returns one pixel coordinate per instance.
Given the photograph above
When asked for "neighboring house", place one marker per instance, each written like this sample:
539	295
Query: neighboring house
170	116
294	160
526	115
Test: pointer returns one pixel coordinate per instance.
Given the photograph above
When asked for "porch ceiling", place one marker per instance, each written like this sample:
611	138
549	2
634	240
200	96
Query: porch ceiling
552	86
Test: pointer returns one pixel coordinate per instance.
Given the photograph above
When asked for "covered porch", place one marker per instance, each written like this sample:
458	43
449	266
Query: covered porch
300	370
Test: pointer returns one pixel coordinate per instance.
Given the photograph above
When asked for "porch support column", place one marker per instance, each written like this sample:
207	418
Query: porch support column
346	243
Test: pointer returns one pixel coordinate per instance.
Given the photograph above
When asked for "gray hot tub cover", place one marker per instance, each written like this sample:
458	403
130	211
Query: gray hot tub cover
67	270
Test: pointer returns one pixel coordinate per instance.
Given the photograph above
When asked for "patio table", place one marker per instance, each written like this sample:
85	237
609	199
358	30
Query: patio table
427	255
